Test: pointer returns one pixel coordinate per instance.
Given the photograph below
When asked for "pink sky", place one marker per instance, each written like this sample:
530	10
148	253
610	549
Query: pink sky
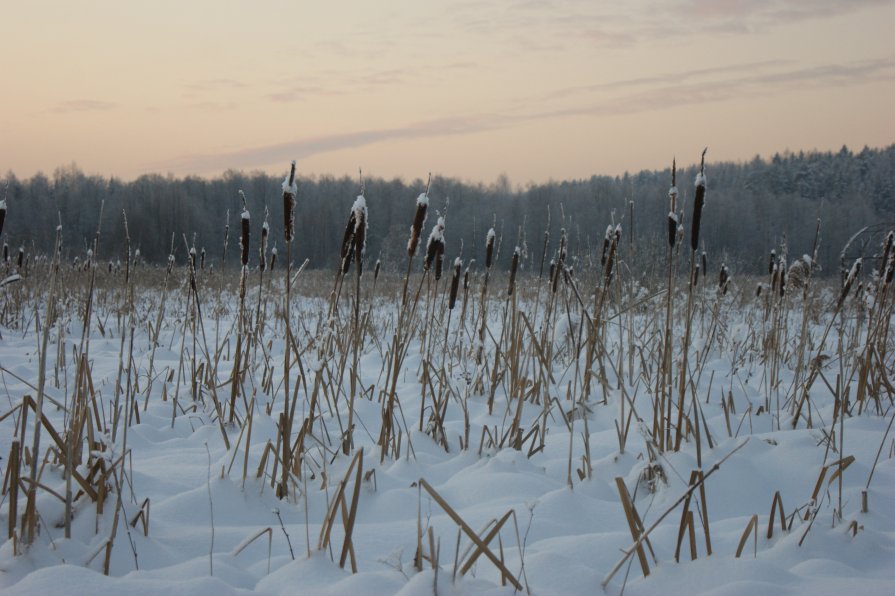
537	90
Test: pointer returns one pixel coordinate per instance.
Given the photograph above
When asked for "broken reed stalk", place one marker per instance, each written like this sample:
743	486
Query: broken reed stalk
30	519
645	535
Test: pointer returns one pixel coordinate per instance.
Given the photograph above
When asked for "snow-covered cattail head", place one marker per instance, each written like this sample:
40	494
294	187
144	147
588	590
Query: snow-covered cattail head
771	262
376	269
850	280
435	245
489	247
419	220
244	236
193	257
455	283
273	257
672	229
2	215
265	233
885	269
202	259
290	189
704	264
610	257
21	257
672	191
605	246
695	279
514	266
346	252
359	210
698	203
5	252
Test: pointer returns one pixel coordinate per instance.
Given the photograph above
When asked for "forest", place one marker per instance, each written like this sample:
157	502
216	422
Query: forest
751	208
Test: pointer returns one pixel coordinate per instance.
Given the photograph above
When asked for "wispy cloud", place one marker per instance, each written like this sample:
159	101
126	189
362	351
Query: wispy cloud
694	87
82	105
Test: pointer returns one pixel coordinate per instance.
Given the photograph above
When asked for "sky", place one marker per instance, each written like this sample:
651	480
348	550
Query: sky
535	90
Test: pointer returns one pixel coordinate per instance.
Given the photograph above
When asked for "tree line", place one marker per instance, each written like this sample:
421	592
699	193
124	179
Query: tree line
751	208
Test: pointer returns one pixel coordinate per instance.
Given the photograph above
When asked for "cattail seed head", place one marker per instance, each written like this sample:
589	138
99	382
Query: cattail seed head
290	189
455	283
435	246
244	237
376	269
193	257
771	262
346	252
21	257
698	203
704	265
359	210
273	257
262	252
514	265
605	246
2	215
722	276
849	281
466	279
419	220
489	248
758	290
672	228
202	259
610	259
5	252
888	257
696	275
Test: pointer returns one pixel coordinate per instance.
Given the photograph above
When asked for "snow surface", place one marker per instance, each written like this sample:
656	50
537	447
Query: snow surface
568	537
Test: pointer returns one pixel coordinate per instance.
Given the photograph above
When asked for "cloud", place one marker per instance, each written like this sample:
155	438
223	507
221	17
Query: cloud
268	154
82	105
694	87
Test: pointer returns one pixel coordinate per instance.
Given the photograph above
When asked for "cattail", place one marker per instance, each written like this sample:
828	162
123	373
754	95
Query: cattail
202	259
466	279
696	275
455	283
345	252
2	215
672	228
359	210
672	215
265	232
5	252
610	258
514	265
244	238
886	266
849	282
758	291
290	189
110	267
605	246
435	245
722	276
489	248
226	237
698	203
273	257
439	260
419	220
771	262
193	257
704	265
376	269
552	269
170	263
781	266
21	257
